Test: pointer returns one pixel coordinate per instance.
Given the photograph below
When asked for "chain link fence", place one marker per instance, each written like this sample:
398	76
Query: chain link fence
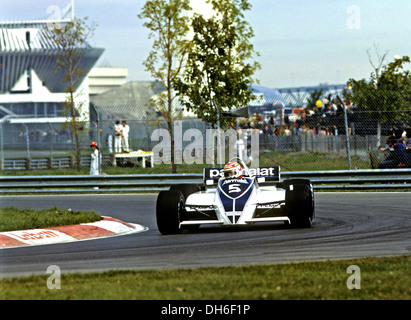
292	137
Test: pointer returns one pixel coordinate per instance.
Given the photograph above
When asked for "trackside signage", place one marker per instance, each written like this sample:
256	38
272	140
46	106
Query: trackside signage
270	173
103	228
39	236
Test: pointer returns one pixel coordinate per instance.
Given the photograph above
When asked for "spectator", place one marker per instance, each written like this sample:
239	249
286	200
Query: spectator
407	132
396	132
389	143
125	130
117	137
347	91
322	131
407	143
95	163
397	157
110	143
271	120
286	120
268	130
335	130
286	131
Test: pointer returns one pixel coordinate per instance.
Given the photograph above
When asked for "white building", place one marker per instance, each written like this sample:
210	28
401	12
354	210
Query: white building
31	91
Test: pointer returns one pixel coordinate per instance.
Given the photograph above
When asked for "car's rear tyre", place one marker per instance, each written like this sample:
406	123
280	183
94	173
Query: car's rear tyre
169	208
299	202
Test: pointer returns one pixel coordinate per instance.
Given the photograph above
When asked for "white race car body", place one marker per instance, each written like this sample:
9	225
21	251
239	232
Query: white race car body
236	201
258	196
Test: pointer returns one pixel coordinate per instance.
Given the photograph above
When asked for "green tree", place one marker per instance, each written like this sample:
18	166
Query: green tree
71	43
168	23
219	70
386	95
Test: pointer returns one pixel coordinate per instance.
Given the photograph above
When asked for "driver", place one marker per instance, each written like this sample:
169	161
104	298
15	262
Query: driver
232	170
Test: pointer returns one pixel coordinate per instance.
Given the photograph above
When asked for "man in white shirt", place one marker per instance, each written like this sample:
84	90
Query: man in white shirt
117	137
125	130
96	159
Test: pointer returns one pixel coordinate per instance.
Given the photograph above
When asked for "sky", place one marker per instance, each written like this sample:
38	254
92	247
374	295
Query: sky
301	43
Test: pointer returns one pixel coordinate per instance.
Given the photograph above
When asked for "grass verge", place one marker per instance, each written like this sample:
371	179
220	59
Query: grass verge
381	278
12	219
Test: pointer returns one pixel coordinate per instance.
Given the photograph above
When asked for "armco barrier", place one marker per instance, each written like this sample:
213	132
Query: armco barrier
339	179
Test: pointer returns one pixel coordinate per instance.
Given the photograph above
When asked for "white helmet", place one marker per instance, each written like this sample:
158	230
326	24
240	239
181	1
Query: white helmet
232	170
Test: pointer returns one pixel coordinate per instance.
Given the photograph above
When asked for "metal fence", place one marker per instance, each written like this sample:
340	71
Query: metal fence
293	138
321	180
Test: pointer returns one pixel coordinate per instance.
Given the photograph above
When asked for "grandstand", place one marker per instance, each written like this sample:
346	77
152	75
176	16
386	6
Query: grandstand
30	88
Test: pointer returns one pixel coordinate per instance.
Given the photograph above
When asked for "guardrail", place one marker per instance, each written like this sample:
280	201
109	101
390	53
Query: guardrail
49	163
339	179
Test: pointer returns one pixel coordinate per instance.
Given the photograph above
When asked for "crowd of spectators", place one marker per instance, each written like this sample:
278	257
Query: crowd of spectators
39	135
398	146
324	120
61	135
328	120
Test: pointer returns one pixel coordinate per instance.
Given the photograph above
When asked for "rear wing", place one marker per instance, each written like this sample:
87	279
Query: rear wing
263	174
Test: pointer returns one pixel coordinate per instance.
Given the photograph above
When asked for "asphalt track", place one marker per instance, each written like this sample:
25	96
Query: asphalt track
347	225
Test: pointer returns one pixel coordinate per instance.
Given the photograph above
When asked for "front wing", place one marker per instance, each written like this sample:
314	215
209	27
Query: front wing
203	208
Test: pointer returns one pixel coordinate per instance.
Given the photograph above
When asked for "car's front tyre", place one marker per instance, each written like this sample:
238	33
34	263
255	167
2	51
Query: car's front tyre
186	189
169	207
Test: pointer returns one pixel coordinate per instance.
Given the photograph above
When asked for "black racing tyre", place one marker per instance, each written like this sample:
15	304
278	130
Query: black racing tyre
186	188
299	202
169	207
288	182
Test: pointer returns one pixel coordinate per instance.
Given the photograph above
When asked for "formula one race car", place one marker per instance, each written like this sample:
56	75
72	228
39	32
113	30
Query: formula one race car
233	196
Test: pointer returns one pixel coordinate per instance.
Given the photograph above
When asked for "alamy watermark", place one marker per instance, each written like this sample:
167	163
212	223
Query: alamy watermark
354	281
354	20
53	282
54	18
207	147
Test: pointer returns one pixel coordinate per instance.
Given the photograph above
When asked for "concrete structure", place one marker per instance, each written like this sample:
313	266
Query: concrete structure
102	79
31	91
297	96
129	101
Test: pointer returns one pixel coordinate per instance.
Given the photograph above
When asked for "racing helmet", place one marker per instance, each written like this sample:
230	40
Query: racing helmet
232	170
